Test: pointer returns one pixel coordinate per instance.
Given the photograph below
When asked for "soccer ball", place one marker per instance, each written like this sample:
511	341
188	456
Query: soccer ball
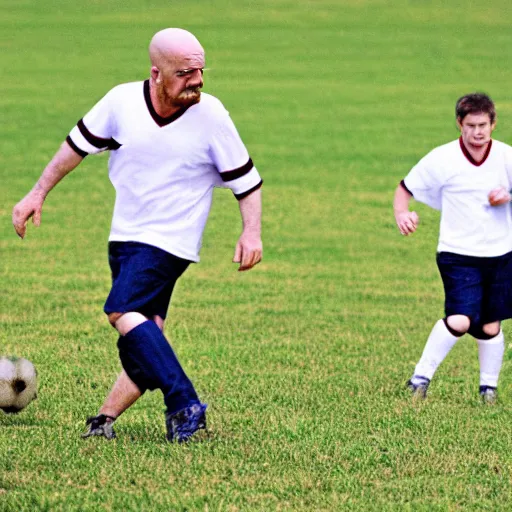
18	383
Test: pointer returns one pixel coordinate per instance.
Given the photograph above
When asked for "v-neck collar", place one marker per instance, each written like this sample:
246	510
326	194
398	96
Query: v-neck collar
468	155
159	120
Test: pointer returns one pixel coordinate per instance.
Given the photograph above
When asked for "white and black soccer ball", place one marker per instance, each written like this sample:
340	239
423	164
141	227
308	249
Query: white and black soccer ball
18	383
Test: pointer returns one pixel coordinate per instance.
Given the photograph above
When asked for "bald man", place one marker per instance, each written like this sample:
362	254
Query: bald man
170	145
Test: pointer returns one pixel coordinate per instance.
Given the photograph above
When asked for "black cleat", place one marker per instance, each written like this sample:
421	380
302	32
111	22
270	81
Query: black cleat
182	425
419	388
489	394
101	425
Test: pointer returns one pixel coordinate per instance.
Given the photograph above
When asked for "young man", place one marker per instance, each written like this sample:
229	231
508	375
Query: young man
469	181
169	146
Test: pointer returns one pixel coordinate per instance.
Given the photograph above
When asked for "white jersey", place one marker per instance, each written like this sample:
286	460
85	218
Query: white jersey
164	169
448	179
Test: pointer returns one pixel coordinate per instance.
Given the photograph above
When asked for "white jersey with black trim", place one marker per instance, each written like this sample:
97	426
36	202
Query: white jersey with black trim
448	179
164	169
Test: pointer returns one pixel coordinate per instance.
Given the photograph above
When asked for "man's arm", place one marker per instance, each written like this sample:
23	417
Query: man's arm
249	248
64	161
406	221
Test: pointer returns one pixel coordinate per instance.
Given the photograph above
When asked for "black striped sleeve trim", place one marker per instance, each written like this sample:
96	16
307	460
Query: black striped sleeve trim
250	191
75	148
402	184
237	173
113	144
97	142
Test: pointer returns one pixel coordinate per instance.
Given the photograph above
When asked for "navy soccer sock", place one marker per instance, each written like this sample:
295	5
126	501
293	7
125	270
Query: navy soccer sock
150	362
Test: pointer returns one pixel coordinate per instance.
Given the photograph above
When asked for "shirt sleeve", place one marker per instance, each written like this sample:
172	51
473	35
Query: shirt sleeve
93	133
232	160
508	165
424	183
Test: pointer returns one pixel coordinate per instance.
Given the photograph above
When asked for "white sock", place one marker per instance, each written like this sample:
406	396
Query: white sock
439	343
490	354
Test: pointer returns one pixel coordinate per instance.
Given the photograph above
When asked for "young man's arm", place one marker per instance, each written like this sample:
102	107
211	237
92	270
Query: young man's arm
406	221
64	161
249	248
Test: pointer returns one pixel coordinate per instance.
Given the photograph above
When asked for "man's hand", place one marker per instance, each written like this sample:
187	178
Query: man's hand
499	196
407	222
248	251
63	162
30	206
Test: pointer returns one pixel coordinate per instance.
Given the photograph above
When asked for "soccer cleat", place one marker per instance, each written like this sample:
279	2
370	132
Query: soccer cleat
101	425
418	388
183	424
489	394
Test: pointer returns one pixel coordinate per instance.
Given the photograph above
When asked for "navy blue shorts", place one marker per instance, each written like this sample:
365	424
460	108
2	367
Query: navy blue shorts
480	288
143	278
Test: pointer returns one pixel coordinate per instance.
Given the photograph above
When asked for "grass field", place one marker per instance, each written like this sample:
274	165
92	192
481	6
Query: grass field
303	360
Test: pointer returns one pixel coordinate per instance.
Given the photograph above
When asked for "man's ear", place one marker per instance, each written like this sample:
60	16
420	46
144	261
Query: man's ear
155	74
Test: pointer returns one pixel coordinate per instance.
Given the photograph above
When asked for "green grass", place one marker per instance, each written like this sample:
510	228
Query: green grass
302	361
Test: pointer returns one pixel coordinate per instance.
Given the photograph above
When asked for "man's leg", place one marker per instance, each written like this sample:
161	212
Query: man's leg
442	338
491	347
496	305
124	394
143	277
150	362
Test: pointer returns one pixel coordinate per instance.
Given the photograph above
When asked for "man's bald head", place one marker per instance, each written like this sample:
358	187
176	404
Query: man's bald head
171	44
177	63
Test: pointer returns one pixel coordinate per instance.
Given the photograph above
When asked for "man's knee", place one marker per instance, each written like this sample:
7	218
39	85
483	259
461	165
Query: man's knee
485	332
113	318
492	329
125	322
458	323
